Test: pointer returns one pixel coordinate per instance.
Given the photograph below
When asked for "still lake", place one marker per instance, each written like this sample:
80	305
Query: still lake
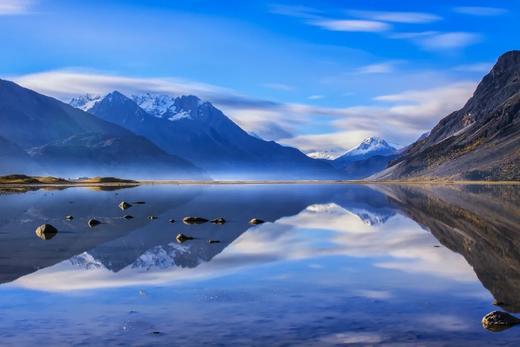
333	265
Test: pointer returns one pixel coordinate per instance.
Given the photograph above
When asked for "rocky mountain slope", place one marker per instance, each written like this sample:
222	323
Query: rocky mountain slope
481	141
196	130
67	141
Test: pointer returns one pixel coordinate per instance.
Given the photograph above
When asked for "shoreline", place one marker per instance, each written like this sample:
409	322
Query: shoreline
256	182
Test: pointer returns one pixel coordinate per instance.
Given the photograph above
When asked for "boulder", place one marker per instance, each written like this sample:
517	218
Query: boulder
256	221
498	321
218	221
127	216
124	205
69	217
194	220
172	221
182	238
152	217
93	222
46	231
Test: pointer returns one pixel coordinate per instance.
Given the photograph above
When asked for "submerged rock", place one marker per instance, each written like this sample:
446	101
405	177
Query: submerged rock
46	231
172	221
139	203
128	217
256	221
194	220
498	321
152	217
218	221
182	238
124	205
213	241
69	217
93	222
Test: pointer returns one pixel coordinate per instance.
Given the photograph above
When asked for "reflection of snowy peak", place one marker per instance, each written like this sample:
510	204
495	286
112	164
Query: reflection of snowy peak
86	261
160	257
371	217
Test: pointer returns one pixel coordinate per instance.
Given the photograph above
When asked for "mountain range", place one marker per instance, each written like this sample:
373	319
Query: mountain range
197	131
63	140
481	141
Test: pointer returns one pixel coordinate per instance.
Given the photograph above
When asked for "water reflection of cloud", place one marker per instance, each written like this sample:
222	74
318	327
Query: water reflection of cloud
317	231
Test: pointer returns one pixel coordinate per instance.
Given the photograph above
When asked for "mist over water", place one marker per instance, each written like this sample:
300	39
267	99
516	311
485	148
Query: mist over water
333	264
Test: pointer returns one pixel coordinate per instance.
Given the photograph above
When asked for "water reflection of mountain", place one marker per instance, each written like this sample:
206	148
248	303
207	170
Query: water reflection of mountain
145	245
479	222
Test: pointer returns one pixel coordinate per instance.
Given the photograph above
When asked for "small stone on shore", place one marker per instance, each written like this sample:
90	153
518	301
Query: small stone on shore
93	222
256	221
194	220
46	231
218	221
182	238
498	321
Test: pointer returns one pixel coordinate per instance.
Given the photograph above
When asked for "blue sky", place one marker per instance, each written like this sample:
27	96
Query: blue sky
319	75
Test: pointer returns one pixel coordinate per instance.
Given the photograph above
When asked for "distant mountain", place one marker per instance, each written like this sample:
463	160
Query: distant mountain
370	156
13	159
196	130
478	142
327	155
65	141
369	147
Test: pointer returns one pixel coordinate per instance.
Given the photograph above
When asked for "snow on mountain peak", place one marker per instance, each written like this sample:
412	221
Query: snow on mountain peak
85	102
371	144
155	104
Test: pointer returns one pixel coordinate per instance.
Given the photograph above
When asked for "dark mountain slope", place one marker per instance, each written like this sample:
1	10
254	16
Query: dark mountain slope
66	141
12	156
481	141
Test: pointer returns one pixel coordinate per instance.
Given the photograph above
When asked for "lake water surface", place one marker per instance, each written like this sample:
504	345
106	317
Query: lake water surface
332	265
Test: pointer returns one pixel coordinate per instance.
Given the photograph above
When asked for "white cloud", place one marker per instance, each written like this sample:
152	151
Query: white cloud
480	10
451	40
379	68
353	25
14	7
315	97
398	17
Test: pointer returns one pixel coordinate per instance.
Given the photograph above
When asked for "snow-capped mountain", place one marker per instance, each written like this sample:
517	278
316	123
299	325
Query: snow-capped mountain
85	102
369	147
328	155
199	132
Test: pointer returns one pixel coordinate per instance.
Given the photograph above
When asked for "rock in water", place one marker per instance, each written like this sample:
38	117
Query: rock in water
256	221
69	217
93	222
152	217
46	231
128	217
124	205
172	221
182	238
213	241
194	220
498	321
218	221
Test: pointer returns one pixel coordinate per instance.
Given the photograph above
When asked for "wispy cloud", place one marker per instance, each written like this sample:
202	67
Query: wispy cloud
15	7
315	97
397	17
480	11
438	41
278	86
379	68
295	11
353	25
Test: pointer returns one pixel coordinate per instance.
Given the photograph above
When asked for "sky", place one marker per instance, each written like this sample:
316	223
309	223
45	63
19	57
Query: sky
318	75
